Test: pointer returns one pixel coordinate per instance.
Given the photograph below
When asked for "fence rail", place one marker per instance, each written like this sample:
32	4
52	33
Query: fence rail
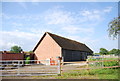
29	67
45	67
104	61
95	64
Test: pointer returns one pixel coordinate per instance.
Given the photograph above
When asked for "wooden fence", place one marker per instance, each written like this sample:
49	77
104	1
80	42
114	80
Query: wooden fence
29	68
88	63
35	68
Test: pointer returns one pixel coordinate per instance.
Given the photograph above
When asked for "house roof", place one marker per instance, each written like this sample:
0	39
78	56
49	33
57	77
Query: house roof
66	43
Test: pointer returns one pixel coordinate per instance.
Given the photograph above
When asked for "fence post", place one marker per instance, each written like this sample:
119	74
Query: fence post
18	71
59	66
87	65
31	68
102	60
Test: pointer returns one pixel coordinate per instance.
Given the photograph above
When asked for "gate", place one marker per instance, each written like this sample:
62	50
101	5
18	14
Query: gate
29	67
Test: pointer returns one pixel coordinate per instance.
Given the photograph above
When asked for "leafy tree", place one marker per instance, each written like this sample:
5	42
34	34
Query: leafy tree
114	27
31	52
118	52
96	53
113	51
103	51
16	49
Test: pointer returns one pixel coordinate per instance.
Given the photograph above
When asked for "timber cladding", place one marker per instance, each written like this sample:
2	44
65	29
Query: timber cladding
73	55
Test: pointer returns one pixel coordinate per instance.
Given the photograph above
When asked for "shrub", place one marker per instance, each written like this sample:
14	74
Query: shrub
27	60
106	63
112	63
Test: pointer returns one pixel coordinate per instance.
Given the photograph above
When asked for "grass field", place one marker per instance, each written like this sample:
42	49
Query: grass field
91	74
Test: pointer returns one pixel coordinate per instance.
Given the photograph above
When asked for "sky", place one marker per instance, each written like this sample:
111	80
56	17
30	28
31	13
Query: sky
24	23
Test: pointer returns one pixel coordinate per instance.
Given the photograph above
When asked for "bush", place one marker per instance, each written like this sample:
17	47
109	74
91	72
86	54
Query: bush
112	63
27	60
105	63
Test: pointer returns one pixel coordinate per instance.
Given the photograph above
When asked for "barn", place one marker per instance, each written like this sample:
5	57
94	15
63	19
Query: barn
53	46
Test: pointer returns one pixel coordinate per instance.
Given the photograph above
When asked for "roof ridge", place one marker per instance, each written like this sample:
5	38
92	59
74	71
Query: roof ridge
66	43
64	37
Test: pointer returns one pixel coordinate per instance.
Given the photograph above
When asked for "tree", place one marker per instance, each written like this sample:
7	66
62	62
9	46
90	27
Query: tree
16	49
113	51
114	27
103	51
31	52
118	52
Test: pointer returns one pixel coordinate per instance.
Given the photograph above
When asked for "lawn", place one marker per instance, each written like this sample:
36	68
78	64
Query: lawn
91	74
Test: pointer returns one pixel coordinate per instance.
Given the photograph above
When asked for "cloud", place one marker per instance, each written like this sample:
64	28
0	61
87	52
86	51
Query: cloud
24	39
17	24
58	16
40	31
85	13
23	17
5	45
107	9
74	29
5	16
91	16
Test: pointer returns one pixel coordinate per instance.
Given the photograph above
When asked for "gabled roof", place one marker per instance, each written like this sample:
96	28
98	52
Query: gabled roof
66	43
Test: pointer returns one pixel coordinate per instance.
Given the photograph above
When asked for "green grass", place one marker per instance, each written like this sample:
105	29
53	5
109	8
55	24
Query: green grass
109	76
106	63
91	74
90	59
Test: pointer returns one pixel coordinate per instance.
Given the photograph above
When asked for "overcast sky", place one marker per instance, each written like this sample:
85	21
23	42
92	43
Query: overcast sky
23	23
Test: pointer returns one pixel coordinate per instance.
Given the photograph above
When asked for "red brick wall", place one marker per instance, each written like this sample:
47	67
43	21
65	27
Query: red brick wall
47	48
12	56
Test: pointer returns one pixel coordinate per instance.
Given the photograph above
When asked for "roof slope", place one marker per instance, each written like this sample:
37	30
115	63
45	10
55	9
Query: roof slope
66	43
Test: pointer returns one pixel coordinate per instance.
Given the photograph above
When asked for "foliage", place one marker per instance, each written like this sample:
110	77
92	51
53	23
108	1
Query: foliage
114	51
96	53
95	73
103	51
114	27
16	49
27	60
111	63
105	63
31	52
91	59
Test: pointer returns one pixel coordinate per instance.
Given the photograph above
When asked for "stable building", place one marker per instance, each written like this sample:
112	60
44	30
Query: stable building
51	46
